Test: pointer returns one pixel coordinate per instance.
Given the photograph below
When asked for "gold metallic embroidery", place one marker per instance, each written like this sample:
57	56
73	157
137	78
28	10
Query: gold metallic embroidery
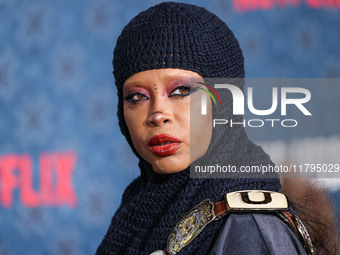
190	226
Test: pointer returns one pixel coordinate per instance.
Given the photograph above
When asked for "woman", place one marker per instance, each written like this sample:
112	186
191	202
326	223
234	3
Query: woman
160	60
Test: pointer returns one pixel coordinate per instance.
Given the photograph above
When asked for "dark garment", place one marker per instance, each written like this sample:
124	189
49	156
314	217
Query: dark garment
256	234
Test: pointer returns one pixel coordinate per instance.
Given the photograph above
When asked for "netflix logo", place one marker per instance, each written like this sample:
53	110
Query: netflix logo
55	179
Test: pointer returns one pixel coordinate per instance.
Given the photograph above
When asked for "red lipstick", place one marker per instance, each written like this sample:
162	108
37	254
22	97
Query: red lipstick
164	145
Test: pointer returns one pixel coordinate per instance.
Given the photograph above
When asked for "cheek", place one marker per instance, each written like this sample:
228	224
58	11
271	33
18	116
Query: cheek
134	123
182	115
200	131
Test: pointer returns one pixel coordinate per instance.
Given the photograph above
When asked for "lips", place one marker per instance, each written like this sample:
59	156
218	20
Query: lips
164	145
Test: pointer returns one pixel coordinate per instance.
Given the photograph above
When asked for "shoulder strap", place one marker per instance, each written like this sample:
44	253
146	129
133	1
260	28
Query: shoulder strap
244	201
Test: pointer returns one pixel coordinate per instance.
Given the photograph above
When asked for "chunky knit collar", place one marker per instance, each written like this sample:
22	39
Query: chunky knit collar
153	204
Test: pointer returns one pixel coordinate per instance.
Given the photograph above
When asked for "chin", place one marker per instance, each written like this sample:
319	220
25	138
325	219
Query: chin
169	166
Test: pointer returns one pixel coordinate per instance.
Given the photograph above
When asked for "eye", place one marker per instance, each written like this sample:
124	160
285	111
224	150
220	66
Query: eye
181	91
136	97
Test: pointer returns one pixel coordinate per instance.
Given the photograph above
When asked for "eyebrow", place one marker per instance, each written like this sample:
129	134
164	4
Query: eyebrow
177	77
167	78
134	83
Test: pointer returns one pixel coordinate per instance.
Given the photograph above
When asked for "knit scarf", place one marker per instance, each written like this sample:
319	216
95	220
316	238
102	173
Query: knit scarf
154	203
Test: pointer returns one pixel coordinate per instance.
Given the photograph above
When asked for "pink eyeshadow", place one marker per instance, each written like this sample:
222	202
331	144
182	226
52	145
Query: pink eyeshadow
175	83
134	89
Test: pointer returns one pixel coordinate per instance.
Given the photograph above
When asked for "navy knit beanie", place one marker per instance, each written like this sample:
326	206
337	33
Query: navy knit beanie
175	35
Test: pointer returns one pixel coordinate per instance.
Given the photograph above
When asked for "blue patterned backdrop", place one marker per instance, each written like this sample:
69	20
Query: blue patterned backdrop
63	162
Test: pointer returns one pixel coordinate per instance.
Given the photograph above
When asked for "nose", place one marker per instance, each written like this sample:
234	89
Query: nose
160	113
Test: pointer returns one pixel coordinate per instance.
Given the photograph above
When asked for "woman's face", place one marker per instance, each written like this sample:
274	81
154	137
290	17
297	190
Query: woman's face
157	114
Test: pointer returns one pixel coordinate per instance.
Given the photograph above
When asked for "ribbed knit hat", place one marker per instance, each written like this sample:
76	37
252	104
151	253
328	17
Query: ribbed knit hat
175	35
